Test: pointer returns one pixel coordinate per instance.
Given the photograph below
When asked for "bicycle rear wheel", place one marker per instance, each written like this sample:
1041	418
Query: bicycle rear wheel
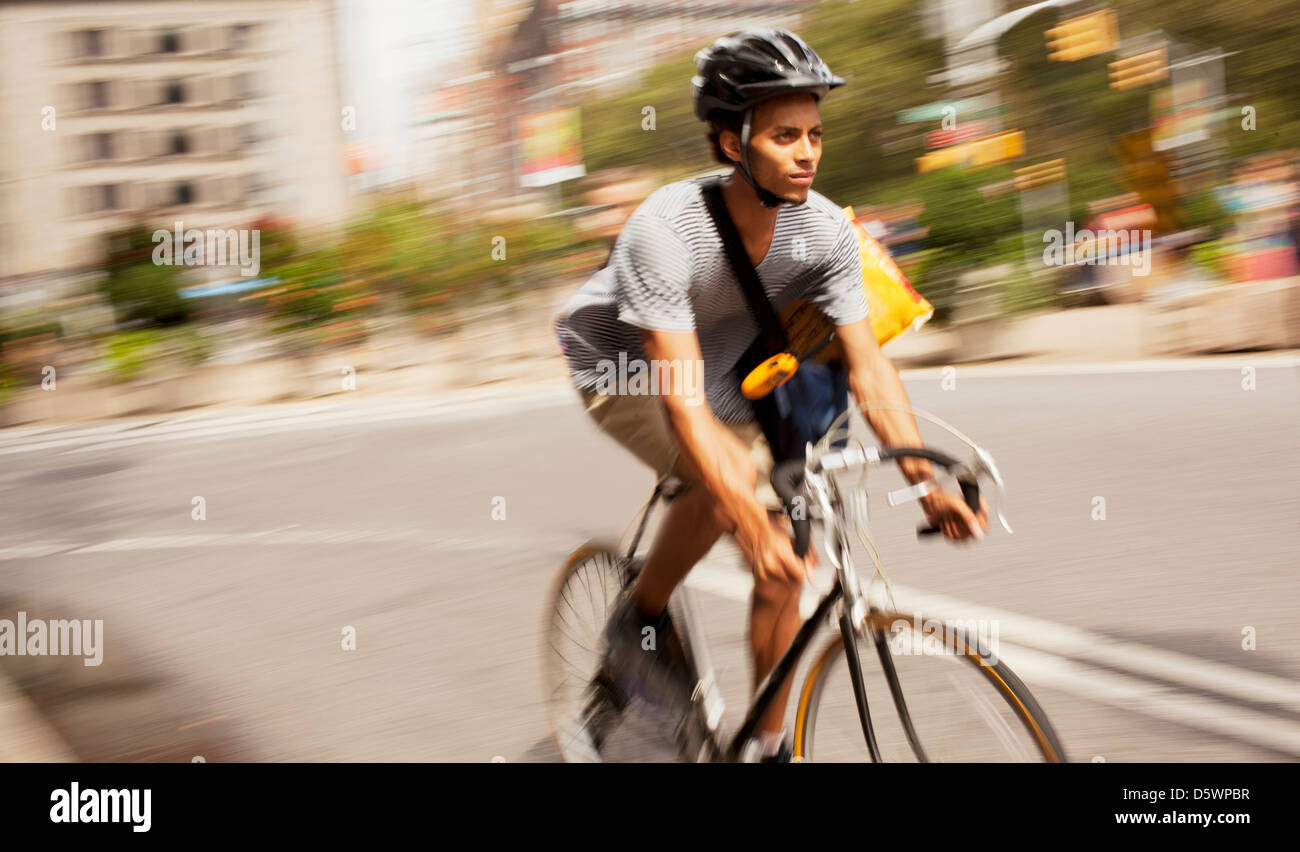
577	608
950	704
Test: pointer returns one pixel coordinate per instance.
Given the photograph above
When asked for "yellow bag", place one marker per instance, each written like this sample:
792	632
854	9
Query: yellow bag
893	305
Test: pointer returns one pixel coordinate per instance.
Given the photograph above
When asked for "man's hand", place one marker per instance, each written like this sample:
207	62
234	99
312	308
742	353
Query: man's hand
712	455
949	512
873	377
762	536
768	549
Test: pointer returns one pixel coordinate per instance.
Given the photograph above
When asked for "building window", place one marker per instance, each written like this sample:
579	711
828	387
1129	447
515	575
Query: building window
241	36
169	41
97	95
101	146
102	198
183	193
180	143
175	92
255	188
244	87
89	43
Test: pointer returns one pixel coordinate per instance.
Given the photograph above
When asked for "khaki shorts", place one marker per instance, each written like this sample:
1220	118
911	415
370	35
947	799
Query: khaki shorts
640	424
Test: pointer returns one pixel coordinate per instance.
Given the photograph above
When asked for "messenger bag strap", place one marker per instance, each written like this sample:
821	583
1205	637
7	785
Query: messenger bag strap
769	326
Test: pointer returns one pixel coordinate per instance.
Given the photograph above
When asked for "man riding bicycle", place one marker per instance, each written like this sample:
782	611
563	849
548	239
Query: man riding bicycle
669	295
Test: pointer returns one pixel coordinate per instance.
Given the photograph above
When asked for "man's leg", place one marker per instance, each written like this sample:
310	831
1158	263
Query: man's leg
774	620
690	529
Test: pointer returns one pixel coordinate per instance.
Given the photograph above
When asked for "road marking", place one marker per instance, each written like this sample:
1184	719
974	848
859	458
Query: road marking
534	544
279	419
1063	657
1156	700
1261	361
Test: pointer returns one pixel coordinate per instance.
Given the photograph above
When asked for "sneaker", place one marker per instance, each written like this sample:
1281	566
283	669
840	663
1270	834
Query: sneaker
576	741
660	677
752	750
784	755
581	737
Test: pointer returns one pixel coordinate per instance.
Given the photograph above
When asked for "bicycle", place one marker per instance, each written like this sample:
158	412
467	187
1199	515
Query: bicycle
814	489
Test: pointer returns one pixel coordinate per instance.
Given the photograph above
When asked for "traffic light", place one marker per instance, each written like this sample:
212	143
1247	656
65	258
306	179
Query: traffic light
1140	69
1146	172
1082	36
984	151
1040	174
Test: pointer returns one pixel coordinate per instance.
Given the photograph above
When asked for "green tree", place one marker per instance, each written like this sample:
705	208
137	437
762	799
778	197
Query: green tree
138	288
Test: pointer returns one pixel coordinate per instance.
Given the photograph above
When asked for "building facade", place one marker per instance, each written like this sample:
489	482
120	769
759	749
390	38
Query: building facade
211	113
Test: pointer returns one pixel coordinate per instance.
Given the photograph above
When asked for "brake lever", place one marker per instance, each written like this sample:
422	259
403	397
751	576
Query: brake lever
984	463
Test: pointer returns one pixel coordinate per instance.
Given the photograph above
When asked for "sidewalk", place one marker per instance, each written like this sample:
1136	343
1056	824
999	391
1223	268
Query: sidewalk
522	353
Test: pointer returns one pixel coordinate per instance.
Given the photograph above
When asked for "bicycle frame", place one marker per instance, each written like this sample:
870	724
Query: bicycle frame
845	578
845	592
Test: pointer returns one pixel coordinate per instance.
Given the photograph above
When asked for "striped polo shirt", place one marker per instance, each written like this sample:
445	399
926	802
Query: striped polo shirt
669	272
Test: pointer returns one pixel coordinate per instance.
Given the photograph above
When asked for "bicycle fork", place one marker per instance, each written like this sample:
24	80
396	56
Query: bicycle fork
853	621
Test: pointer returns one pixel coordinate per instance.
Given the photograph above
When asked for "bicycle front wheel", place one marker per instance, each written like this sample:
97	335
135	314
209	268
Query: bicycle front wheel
935	692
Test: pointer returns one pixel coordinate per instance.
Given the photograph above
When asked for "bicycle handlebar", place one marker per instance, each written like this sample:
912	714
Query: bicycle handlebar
787	478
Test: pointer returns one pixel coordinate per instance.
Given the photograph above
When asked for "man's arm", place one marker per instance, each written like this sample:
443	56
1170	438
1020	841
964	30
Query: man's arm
719	459
874	378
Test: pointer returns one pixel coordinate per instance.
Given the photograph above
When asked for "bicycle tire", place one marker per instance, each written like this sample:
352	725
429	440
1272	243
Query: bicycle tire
564	680
1020	703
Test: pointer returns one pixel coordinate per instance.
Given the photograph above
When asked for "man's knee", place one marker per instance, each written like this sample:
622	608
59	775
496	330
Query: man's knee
703	505
777	591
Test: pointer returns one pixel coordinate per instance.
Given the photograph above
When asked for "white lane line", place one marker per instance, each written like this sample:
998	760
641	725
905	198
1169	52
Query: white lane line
288	536
147	426
276	422
1068	641
277	410
1264	361
141	425
1152	699
721	577
20	436
35	551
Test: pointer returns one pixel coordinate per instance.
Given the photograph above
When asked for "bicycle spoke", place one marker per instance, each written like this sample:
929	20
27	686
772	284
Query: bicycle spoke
590	597
578	642
596	614
581	675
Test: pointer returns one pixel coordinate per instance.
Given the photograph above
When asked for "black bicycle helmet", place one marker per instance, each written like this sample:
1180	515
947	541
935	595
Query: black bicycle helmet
742	69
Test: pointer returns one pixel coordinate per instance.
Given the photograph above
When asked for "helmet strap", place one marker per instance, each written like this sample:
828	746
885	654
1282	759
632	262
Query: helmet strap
767	199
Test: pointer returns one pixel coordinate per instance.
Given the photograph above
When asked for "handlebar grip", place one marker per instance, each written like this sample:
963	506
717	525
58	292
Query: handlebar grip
787	479
970	492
